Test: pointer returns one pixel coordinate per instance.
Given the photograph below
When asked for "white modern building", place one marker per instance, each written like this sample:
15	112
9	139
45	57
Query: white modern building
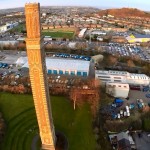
98	32
66	66
21	61
147	31
122	77
99	38
82	32
72	44
3	28
8	26
117	89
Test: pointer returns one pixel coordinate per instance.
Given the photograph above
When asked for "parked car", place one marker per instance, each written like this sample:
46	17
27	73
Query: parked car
118	100
5	65
147	95
135	88
146	89
140	103
1	65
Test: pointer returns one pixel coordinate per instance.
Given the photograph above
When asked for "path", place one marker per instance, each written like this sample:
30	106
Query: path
34	142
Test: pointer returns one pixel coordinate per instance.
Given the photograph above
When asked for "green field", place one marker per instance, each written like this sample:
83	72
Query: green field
19	113
59	34
18	28
54	33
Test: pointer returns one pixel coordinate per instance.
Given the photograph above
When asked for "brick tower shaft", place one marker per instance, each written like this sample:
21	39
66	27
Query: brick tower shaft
38	76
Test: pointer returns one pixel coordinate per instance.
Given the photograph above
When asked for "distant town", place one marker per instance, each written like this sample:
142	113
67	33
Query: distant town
98	75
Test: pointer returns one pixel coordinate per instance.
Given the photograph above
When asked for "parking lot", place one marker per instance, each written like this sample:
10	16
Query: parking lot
128	107
62	55
112	48
13	71
126	50
8	62
134	95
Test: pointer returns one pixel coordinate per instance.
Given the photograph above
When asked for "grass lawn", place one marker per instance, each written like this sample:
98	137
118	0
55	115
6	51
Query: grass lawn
64	29
19	113
18	28
59	34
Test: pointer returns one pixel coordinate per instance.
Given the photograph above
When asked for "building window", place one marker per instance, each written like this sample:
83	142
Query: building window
105	79
54	71
78	73
103	76
49	71
72	73
117	80
85	74
66	72
117	77
60	72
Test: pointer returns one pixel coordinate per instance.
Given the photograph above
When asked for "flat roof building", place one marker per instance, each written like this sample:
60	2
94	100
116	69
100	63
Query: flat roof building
8	26
122	77
134	38
117	89
98	32
66	66
82	32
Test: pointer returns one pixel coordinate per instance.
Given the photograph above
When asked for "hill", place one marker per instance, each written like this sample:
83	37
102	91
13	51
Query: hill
124	12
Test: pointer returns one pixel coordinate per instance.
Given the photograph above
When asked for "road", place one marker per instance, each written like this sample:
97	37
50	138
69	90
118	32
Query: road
142	143
34	142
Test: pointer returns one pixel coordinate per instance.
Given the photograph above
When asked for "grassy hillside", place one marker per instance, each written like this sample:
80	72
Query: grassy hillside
124	12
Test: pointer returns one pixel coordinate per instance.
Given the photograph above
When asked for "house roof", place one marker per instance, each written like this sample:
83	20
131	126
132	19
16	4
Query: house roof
141	35
122	135
123	141
124	144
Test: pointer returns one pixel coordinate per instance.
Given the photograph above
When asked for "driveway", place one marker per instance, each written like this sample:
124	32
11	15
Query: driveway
143	142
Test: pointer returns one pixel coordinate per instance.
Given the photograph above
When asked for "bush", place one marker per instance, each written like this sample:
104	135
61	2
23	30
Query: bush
146	124
2	127
146	121
137	124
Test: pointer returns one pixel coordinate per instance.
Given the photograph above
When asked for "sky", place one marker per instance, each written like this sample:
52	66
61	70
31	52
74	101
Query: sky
140	4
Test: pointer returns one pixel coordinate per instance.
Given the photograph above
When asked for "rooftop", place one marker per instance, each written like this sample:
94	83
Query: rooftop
122	73
141	35
112	72
65	64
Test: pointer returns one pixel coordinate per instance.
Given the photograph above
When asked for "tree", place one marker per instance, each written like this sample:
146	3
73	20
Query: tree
54	24
146	121
90	24
130	63
60	23
21	46
68	23
2	127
